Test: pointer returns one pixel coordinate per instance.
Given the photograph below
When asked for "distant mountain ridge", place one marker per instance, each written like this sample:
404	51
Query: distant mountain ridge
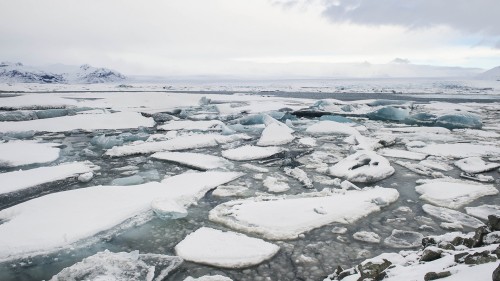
492	74
85	74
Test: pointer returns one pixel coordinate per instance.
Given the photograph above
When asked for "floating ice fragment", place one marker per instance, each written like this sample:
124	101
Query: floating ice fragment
299	175
420	169
475	165
168	209
331	127
132	180
121	266
224	249
366	236
86	177
102	141
362	166
18	153
477	177
276	134
339	230
483	211
397	153
289	216
389	113
404	239
250	152
421	119
194	160
274	185
434	164
188	125
311	142
458	150
336	118
209	278
460	121
19	115
453	194
451	216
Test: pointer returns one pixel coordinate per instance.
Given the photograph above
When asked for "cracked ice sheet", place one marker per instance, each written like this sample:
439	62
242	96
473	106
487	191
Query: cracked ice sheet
224	249
18	153
195	160
57	220
451	193
285	217
18	180
86	122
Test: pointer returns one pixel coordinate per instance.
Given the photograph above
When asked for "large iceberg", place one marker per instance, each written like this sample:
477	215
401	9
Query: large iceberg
459	121
224	249
389	113
362	166
287	217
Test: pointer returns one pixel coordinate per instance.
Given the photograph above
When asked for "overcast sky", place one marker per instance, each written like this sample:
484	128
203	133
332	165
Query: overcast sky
223	37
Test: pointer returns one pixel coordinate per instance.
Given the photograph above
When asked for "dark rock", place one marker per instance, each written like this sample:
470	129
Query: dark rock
430	255
161	117
497	252
479	258
496	274
479	235
468	242
428	241
373	271
459	258
446	246
436	275
494	222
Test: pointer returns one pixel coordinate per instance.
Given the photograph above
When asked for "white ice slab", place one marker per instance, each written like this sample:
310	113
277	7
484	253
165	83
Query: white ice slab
188	125
195	160
86	122
275	185
59	219
18	153
366	236
287	217
108	266
458	150
475	165
19	180
434	164
452	216
224	249
483	211
398	153
276	134
250	152
453	194
362	166
331	127
178	143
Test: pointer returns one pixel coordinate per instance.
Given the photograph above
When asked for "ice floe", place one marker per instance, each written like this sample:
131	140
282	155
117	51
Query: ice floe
287	217
108	266
194	160
362	166
451	216
435	164
59	219
483	211
250	152
22	179
299	175
453	194
458	150
331	128
18	153
397	153
86	122
224	249
273	184
276	134
188	125
366	236
404	239
178	143
475	165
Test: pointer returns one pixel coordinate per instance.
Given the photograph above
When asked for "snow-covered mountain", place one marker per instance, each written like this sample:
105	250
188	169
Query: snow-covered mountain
86	74
492	74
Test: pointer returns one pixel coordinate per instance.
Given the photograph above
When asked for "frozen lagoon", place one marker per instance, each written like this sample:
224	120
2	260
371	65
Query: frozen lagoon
311	256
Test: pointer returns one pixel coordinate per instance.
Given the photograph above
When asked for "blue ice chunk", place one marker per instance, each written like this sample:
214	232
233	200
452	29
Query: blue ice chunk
421	119
226	130
20	115
249	129
128	137
151	175
335	118
253	119
105	142
276	114
388	113
460	121
51	113
18	135
132	180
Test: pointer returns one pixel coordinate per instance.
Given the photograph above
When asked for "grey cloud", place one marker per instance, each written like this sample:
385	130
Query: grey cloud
475	16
